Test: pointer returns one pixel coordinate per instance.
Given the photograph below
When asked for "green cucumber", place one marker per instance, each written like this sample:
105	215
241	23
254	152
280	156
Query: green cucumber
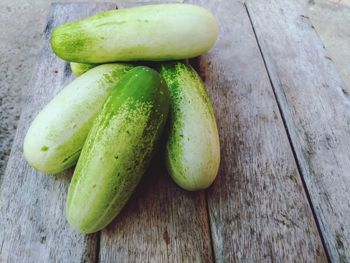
80	68
151	32
118	150
193	147
57	134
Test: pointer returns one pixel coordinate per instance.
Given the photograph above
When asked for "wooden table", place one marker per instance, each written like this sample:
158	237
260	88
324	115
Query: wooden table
282	192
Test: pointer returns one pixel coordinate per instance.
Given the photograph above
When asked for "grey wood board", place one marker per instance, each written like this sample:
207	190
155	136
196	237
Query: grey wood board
161	223
133	3
258	209
316	107
33	225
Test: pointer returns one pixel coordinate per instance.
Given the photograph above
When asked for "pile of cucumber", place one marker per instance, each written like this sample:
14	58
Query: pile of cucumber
110	119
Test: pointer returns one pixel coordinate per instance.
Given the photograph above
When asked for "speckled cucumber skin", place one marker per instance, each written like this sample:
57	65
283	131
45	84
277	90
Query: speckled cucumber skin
118	150
151	32
57	134
193	147
80	68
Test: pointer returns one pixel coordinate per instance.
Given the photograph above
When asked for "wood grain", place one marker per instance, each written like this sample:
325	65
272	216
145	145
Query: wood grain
258	209
316	107
133	3
162	223
33	225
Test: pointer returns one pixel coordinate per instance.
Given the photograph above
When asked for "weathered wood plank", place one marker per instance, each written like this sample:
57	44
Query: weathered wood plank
33	225
134	3
316	108
258	209
162	223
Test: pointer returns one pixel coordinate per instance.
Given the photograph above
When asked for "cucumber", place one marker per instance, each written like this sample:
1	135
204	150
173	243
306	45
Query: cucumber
192	149
57	134
80	68
151	32
118	150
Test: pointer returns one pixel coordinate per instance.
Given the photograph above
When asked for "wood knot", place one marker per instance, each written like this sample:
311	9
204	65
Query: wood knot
166	237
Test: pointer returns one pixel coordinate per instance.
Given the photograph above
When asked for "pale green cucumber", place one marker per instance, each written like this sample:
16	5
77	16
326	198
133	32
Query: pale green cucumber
57	134
193	148
118	150
151	32
80	68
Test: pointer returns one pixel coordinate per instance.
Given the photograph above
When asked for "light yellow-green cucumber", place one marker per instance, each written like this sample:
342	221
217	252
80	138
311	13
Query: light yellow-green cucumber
57	134
150	32
118	150
192	148
80	68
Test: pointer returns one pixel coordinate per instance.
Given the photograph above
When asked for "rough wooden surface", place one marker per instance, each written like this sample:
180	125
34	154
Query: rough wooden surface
33	227
134	3
162	223
316	108
258	209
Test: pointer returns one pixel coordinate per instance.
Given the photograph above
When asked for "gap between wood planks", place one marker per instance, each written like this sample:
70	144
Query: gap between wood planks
316	106
290	140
